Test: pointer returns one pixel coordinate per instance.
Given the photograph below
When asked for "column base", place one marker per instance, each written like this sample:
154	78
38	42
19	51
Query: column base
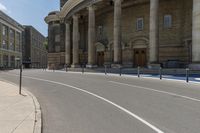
154	66
128	64
91	66
75	66
194	66
116	65
68	65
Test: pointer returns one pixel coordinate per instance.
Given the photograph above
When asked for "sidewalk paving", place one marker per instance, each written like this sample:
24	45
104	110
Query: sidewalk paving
18	113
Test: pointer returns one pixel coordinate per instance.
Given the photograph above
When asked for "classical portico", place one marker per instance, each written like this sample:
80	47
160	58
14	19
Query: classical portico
117	22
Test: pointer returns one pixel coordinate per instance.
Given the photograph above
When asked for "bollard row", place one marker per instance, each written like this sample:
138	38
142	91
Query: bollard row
120	72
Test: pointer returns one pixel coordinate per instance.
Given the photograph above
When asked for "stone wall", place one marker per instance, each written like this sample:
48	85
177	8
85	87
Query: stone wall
62	37
53	41
56	60
171	40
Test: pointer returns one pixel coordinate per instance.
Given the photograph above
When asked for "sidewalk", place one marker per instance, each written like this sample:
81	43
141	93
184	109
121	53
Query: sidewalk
195	79
18	113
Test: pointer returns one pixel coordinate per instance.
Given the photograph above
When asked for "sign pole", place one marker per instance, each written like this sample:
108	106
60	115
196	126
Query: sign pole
20	80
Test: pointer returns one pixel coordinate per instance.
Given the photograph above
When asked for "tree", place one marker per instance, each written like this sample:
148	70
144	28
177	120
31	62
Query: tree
46	44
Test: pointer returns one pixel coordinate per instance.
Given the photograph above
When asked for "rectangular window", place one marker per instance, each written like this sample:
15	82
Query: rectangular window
139	24
4	44
11	47
18	42
4	30
12	35
167	21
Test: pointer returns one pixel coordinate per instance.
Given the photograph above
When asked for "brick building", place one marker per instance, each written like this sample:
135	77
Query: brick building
146	33
34	51
10	42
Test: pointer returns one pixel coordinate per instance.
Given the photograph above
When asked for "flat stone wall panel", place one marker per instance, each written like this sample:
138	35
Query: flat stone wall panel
127	57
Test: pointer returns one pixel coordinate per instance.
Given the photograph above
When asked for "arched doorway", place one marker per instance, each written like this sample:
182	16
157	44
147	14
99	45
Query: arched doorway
100	48
140	51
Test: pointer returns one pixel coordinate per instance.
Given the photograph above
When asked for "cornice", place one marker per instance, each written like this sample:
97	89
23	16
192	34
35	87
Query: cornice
69	5
53	16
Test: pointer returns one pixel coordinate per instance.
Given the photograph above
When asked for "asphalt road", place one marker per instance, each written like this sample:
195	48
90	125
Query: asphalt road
87	103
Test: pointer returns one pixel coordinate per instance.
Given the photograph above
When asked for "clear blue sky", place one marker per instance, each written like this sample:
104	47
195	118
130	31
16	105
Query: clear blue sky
30	12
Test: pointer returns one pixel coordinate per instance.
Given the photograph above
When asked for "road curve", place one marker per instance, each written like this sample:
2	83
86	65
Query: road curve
82	103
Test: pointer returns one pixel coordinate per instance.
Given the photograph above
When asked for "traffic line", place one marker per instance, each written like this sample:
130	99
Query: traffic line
150	89
101	98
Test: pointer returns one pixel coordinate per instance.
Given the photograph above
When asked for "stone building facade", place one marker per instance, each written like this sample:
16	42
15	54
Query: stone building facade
10	42
146	33
34	51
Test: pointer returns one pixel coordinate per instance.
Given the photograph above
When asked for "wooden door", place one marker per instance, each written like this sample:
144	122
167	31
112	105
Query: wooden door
100	58
140	57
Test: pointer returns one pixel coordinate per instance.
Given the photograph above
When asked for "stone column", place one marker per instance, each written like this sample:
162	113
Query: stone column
75	41
67	44
117	32
196	32
153	35
91	37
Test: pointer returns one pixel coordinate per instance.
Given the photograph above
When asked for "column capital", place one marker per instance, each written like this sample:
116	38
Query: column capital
76	16
62	20
154	2
92	7
68	22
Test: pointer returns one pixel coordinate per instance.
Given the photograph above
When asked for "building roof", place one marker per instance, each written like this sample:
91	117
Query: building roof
10	20
34	29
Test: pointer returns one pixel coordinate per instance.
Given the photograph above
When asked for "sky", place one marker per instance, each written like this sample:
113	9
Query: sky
30	12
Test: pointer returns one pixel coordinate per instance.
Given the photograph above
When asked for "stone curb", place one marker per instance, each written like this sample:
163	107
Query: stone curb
38	113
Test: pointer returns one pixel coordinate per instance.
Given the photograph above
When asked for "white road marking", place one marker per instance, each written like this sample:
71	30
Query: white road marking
101	98
150	89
